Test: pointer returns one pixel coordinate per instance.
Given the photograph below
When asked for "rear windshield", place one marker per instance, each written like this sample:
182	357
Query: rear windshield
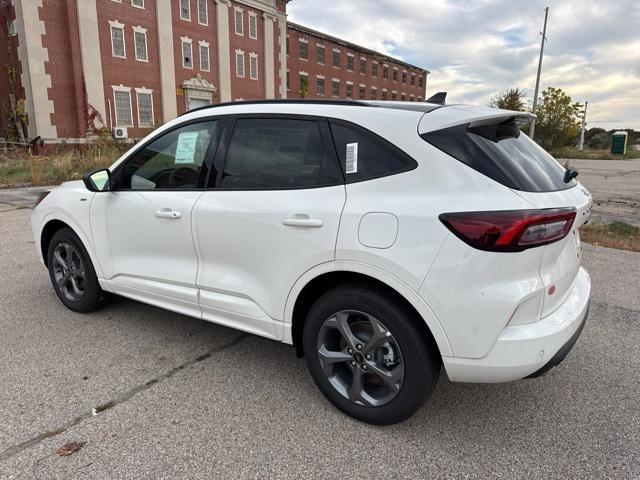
503	153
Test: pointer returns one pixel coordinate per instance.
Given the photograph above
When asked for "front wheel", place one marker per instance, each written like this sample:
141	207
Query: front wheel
368	355
72	274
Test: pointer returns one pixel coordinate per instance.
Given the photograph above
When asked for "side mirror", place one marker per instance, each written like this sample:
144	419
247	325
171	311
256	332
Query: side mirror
98	180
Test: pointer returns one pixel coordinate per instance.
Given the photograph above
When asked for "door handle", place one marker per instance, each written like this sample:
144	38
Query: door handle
167	213
302	221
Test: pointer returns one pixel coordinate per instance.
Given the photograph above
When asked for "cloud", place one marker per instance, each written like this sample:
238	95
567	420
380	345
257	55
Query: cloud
475	48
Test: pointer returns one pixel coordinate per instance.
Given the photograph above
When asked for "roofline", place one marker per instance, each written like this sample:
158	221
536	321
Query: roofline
311	31
407	106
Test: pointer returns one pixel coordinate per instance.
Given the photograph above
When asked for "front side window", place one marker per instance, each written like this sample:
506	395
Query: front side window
363	155
172	161
275	153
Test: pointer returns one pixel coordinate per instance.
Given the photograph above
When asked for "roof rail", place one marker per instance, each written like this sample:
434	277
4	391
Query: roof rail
281	101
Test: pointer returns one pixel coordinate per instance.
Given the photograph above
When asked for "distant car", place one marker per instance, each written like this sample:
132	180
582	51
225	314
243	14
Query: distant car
382	239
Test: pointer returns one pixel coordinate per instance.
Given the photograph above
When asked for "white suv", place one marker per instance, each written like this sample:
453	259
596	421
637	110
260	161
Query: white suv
382	239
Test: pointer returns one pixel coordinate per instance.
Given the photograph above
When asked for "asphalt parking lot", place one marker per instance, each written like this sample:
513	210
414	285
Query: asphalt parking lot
153	394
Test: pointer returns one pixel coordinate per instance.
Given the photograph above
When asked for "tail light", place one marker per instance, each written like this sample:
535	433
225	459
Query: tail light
510	230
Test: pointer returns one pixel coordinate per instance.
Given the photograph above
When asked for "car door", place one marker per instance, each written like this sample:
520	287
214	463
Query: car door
273	214
142	229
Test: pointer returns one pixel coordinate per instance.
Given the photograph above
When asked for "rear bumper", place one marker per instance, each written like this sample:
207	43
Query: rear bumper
529	350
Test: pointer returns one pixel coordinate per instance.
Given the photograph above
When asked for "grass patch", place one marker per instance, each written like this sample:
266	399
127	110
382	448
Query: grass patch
618	235
57	167
594	154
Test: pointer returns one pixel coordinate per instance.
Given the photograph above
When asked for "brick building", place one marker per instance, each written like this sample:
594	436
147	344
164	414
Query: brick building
85	64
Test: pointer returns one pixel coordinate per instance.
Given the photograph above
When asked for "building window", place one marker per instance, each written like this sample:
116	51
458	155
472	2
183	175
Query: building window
304	85
117	40
140	37
239	22
385	72
363	65
403	97
122	103
419	99
404	77
185	9
320	54
413	79
385	94
374	69
362	92
395	74
203	12
420	81
253	66
374	93
145	107
204	57
137	3
288	80
320	86
304	49
349	90
287	45
187	52
394	95
253	25
336	58
412	98
239	63
335	89
350	62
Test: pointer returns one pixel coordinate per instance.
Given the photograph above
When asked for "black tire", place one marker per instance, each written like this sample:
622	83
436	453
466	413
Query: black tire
92	295
421	361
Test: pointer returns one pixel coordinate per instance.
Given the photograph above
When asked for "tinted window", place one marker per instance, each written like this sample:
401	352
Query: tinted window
364	155
174	160
503	153
267	153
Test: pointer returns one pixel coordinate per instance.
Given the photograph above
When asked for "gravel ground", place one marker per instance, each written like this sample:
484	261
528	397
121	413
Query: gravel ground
176	397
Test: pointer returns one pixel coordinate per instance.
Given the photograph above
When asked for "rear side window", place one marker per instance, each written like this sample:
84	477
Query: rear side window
363	155
276	153
502	153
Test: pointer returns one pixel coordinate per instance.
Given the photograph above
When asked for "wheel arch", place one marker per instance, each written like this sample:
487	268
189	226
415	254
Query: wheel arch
320	279
54	223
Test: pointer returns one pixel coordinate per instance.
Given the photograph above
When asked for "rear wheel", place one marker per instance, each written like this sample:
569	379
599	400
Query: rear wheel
368	356
72	274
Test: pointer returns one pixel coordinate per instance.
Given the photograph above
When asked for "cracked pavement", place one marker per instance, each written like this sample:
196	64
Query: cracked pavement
176	397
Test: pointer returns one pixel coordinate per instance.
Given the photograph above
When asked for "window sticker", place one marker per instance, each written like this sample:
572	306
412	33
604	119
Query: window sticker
186	148
352	158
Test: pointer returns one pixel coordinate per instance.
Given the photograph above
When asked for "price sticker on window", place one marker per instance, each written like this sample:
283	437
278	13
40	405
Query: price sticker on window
186	148
352	158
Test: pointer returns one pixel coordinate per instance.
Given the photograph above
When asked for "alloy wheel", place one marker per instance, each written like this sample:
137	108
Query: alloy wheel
68	271
360	358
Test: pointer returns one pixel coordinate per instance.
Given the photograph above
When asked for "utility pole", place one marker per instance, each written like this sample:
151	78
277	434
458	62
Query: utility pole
584	124
532	128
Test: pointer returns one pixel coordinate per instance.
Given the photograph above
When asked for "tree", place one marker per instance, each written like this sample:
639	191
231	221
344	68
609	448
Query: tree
512	99
559	118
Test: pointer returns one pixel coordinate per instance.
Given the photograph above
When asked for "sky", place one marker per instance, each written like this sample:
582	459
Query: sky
476	48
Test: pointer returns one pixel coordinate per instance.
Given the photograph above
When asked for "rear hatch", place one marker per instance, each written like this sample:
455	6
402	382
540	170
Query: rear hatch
492	143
